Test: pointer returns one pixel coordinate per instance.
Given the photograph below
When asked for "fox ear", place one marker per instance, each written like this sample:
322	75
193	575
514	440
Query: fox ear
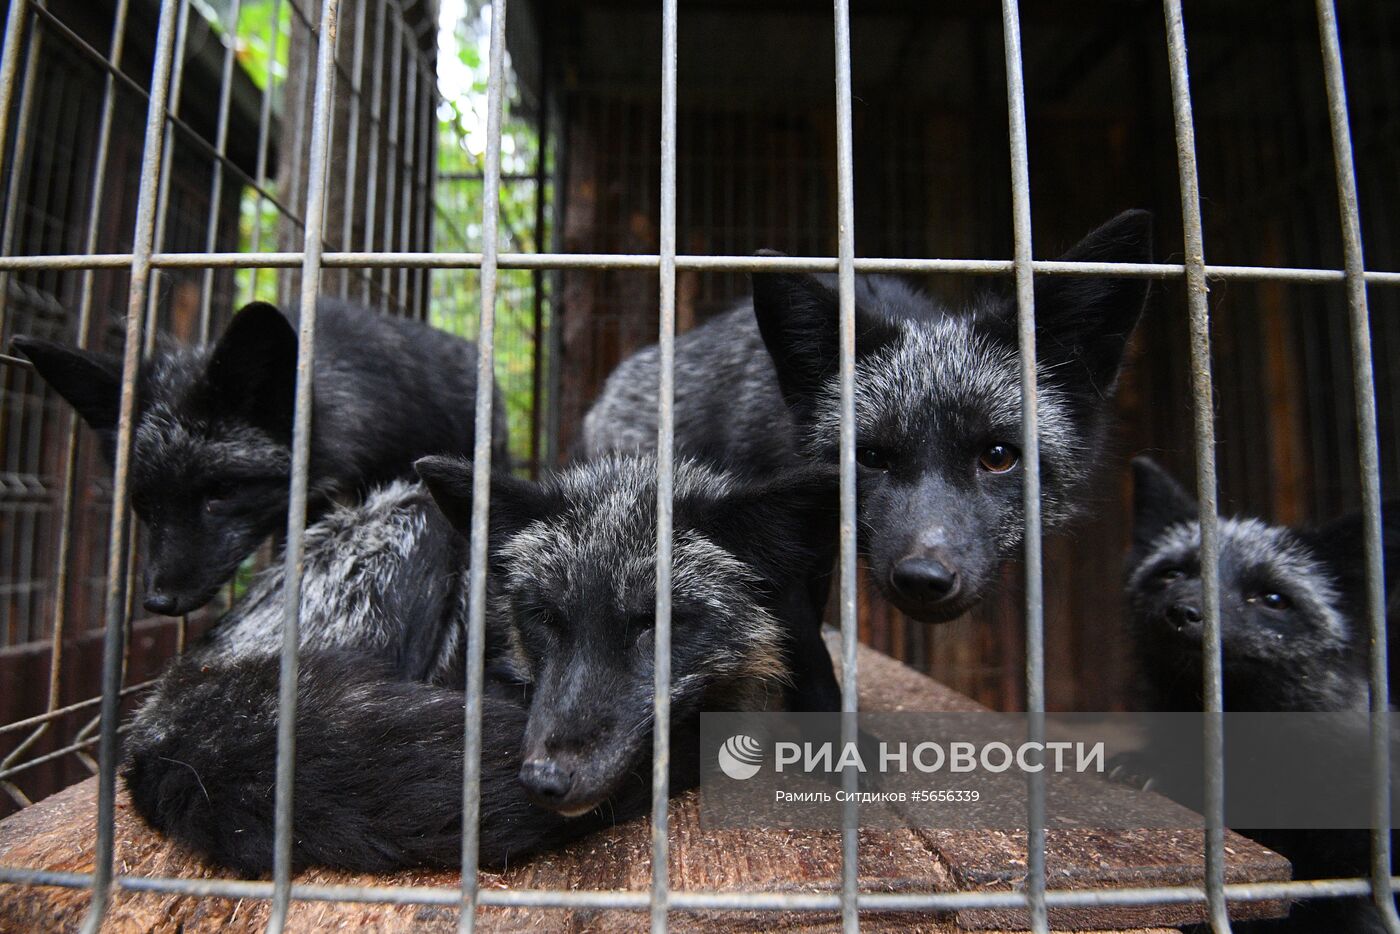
1083	324
1342	543
1158	502
252	373
777	525
798	315
515	503
91	382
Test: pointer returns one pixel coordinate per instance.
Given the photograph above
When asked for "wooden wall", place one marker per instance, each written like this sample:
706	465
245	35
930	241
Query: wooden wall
756	170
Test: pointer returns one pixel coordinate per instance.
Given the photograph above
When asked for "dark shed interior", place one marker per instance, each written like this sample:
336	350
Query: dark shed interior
933	180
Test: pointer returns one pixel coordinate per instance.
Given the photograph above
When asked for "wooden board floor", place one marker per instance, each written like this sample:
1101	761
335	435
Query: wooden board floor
56	834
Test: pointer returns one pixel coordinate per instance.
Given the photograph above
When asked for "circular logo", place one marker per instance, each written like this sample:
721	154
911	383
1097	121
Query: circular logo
740	757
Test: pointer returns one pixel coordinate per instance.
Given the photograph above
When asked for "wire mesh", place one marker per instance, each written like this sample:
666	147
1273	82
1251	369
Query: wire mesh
422	182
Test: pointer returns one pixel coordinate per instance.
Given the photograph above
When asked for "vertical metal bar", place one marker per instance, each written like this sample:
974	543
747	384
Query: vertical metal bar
274	39
1368	451
9	67
429	172
352	143
846	286
406	167
37	193
312	239
481	471
291	151
665	465
68	498
182	32
372	168
216	185
1202	392
391	160
423	203
1030	457
19	174
117	540
537	282
556	321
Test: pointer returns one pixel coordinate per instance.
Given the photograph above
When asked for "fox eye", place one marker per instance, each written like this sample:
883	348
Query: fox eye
1271	600
549	618
999	458
872	458
1168	575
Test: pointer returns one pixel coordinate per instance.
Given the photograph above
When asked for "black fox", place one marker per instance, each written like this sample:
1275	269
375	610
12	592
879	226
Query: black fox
211	449
567	714
938	407
1292	605
1293	638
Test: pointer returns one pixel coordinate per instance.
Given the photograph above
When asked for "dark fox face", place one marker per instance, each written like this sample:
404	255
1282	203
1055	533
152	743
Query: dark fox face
1284	626
208	497
210	448
575	557
938	410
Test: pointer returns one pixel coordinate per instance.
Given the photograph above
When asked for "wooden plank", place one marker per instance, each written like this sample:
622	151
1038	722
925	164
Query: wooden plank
56	834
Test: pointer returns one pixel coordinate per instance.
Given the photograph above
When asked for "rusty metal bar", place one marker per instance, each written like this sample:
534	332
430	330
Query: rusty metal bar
1030	458
468	897
352	142
216	184
142	246
392	155
372	168
1368	455
850	619
405	167
665	476
18	177
686	900
702	263
1203	410
177	80
318	168
274	41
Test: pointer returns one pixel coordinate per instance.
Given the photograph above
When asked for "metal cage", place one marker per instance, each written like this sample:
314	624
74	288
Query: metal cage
390	249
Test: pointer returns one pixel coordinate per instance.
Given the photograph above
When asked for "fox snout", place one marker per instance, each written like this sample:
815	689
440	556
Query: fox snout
546	780
576	756
554	783
1178	610
175	585
1185	616
168	597
924	578
572	783
932	545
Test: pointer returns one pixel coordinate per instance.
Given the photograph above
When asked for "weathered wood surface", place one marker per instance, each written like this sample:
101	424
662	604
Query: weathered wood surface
56	834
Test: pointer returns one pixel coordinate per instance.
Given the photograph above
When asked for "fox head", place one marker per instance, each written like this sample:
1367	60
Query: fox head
210	460
575	558
1292	627
938	409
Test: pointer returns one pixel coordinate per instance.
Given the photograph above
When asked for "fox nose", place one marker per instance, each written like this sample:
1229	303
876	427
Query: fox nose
158	601
923	579
1184	614
546	779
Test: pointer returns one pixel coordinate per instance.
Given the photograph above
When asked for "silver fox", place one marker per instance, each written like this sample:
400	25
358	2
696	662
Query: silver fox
1293	638
568	711
211	452
938	407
